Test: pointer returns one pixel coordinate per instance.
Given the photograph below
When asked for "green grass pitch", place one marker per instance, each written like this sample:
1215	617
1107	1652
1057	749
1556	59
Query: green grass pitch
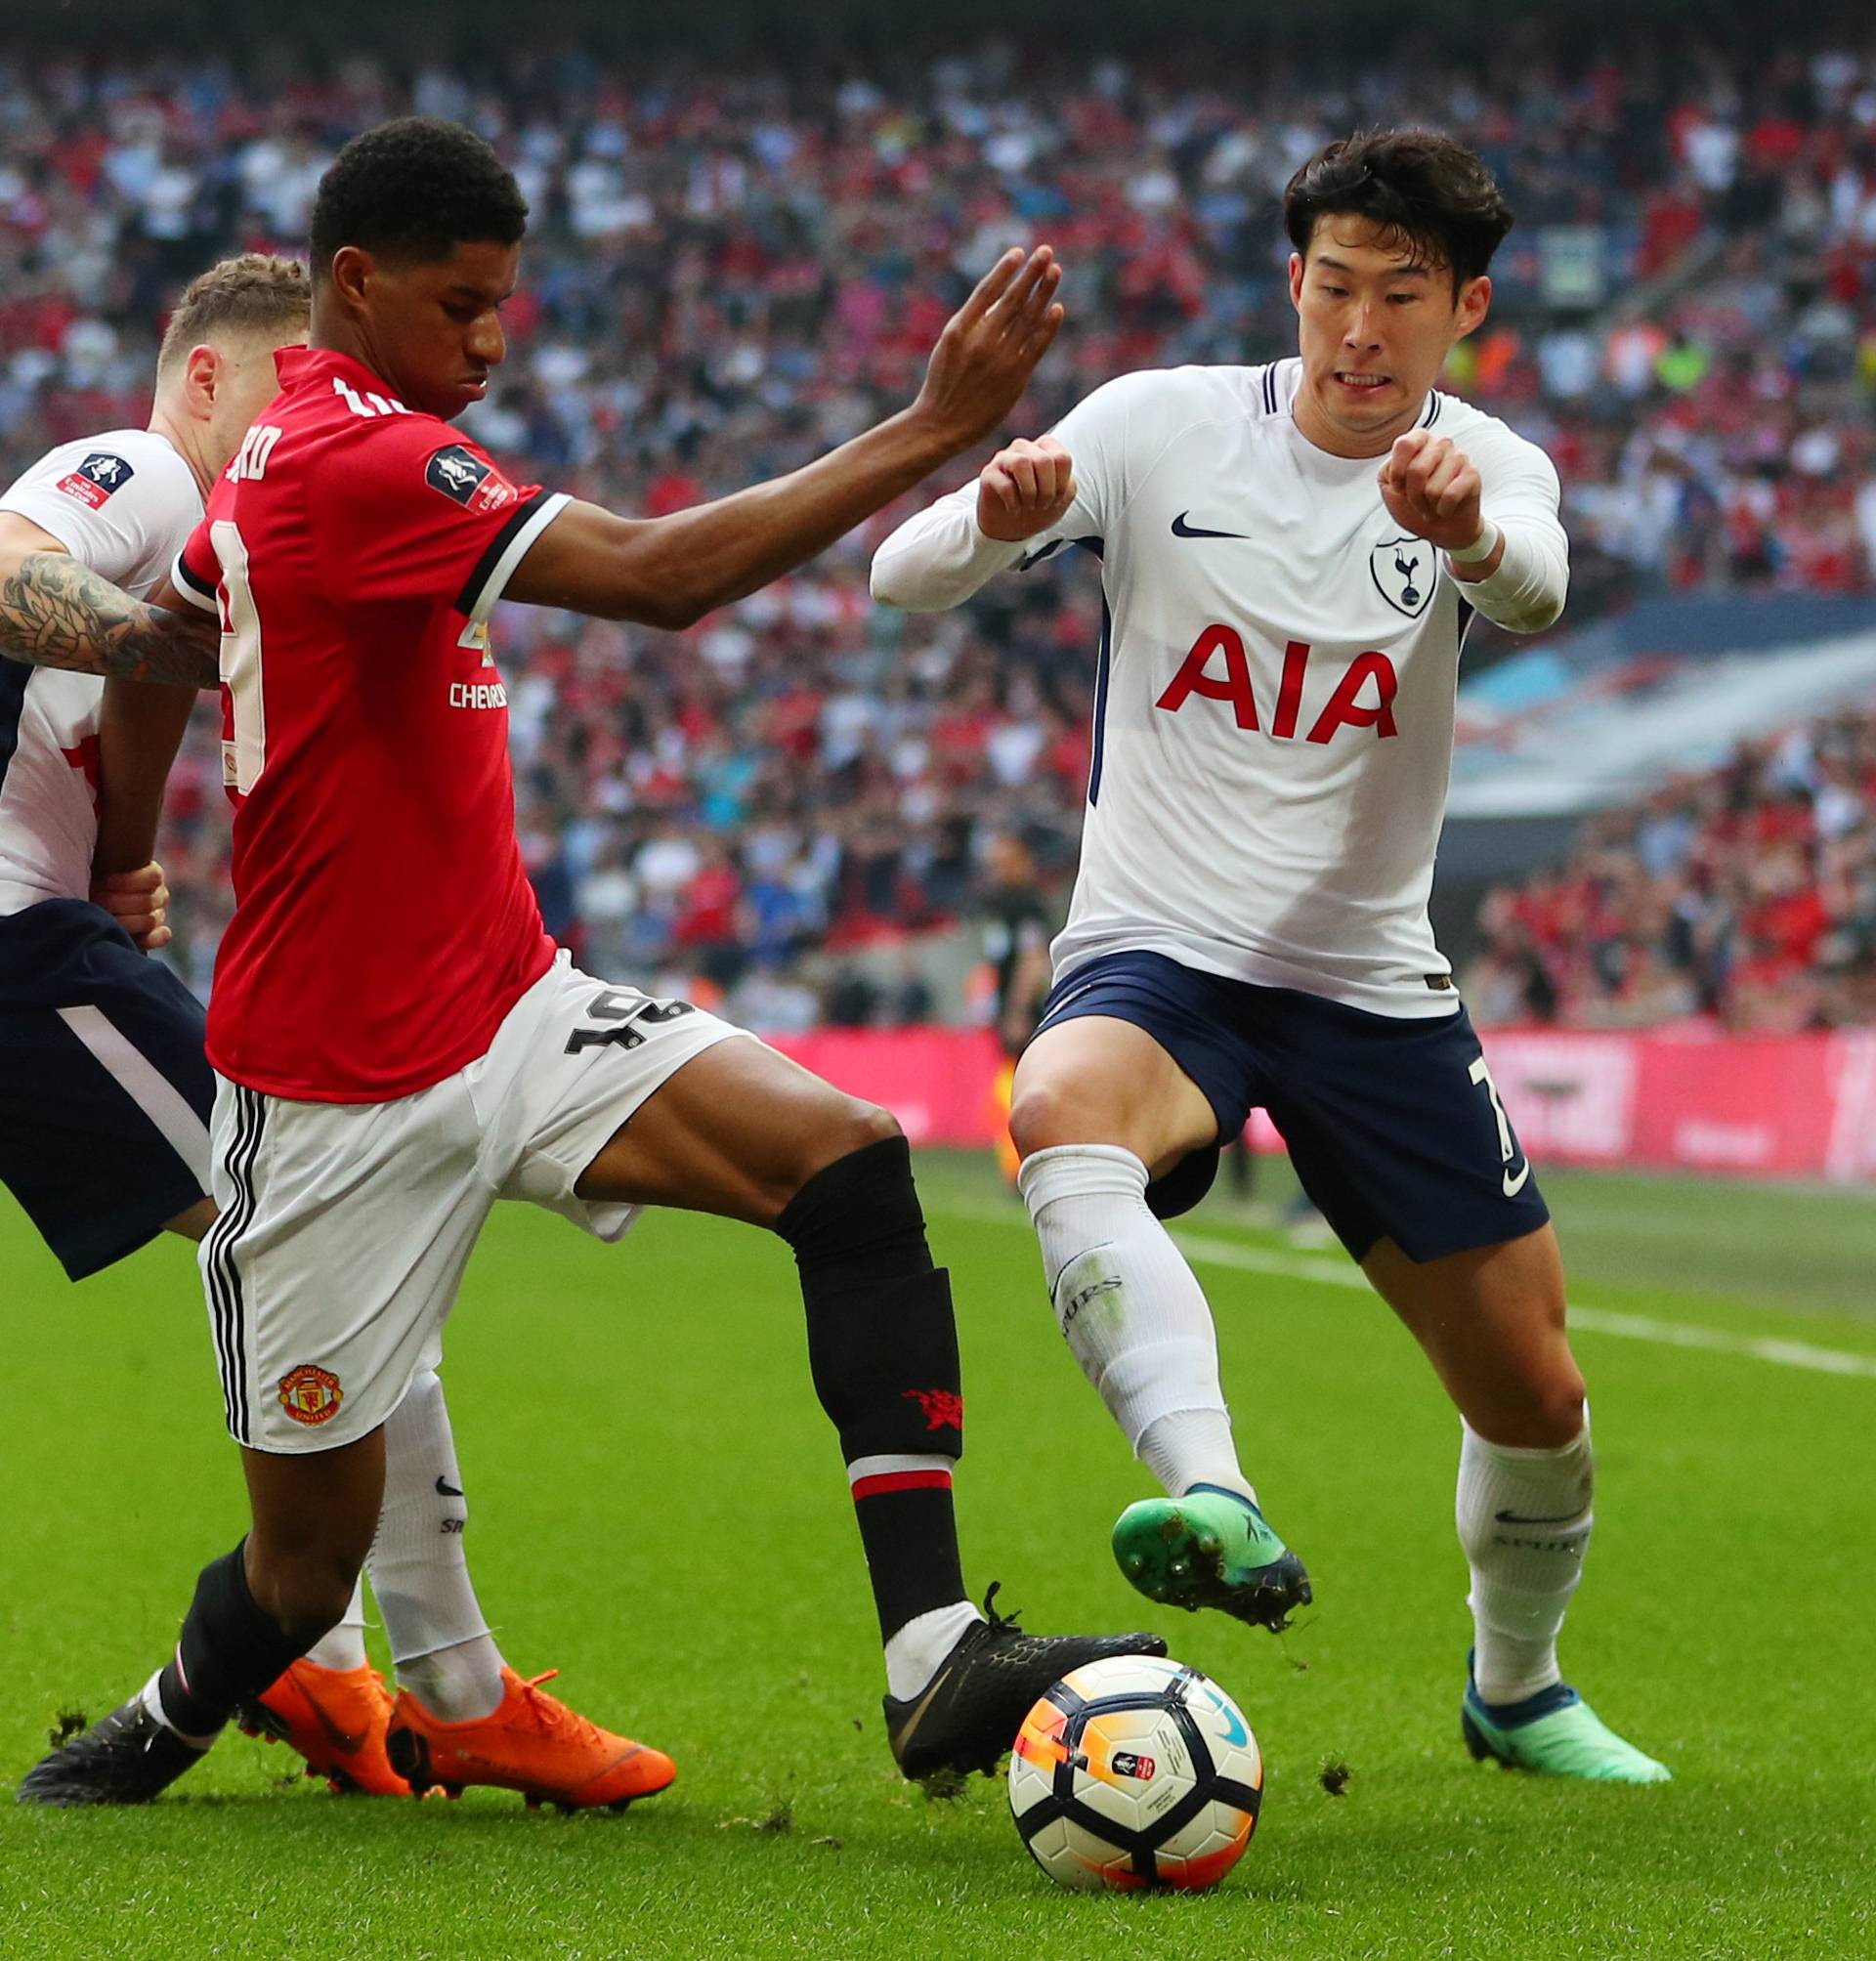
657	1509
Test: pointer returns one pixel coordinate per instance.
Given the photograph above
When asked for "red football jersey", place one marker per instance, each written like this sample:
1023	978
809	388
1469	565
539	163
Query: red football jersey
383	922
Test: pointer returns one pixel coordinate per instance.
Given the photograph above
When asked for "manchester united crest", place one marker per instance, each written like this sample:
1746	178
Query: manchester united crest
311	1395
944	1409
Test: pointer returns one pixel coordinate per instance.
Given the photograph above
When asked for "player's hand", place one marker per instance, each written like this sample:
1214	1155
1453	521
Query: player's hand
989	347
1431	490
1024	488
139	901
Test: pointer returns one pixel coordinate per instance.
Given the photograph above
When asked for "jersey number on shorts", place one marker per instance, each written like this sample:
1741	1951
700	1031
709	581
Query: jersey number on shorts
1481	1073
623	1012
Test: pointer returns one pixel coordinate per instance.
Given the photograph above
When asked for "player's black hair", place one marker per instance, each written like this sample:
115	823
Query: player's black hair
415	190
1427	193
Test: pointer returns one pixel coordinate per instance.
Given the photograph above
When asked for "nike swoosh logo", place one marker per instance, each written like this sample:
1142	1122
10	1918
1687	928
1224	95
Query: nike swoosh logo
1237	1732
344	1741
1514	1518
444	1489
924	1703
1181	530
1515	1186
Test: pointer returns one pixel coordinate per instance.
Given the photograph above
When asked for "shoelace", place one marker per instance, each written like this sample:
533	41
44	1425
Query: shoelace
1000	1623
550	1713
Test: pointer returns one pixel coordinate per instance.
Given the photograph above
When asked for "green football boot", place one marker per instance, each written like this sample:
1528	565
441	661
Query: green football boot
1211	1549
1555	1731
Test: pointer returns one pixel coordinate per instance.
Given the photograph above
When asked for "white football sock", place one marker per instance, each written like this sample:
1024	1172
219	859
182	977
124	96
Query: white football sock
458	1684
915	1652
1193	1447
343	1647
441	1643
1524	1518
1133	1311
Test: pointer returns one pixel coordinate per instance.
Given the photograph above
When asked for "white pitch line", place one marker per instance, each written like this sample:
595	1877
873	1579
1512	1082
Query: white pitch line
1592	1320
1596	1320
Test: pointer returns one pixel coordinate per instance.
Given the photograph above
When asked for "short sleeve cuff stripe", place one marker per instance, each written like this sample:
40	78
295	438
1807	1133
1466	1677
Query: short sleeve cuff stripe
506	550
185	581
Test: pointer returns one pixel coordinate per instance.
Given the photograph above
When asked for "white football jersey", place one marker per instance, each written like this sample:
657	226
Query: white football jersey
1273	716
123	503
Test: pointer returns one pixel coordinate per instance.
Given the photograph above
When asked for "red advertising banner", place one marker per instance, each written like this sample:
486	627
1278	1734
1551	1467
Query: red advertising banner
1689	1099
940	1082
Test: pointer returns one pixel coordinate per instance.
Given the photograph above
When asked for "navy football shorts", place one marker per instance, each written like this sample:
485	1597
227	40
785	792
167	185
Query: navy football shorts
104	1091
1394	1125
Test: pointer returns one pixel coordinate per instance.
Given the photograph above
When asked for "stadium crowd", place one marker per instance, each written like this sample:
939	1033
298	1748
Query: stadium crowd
1747	895
729	273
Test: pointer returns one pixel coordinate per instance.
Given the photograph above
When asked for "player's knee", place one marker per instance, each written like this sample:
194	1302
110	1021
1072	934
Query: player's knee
1046	1112
843	1126
859	1211
1544	1412
1561	1409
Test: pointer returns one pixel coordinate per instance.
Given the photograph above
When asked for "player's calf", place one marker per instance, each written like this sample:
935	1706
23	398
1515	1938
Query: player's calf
232	1647
882	1349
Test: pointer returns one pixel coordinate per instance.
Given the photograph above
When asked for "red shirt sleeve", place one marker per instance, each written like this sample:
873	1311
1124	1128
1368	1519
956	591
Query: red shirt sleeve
423	516
197	572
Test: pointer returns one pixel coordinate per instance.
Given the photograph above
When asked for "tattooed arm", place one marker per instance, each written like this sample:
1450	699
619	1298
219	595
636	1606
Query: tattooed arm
55	612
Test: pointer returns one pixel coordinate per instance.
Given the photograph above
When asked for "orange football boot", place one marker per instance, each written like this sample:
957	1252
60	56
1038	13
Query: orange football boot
336	1719
531	1743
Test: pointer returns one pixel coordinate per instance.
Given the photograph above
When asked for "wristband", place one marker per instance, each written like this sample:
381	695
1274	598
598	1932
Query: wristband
1480	549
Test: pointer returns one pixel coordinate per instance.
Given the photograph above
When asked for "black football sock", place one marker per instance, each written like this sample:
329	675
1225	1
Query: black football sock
229	1651
883	1347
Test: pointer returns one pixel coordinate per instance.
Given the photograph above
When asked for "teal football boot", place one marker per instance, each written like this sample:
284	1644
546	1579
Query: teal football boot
1554	1732
1211	1549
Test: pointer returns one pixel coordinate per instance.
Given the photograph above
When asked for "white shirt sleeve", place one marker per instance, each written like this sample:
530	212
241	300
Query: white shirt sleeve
1527	591
939	558
120	504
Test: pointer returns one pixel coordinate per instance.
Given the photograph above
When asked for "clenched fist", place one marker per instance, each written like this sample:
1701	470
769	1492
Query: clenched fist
1431	490
139	901
1024	488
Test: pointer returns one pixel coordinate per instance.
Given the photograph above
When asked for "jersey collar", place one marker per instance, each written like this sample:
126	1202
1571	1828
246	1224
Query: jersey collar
309	367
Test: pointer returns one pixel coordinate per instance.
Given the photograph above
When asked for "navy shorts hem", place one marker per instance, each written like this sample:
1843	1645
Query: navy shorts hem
86	1247
1394	1124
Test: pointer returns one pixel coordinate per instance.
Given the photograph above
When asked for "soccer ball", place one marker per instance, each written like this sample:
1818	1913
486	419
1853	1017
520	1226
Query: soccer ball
1135	1771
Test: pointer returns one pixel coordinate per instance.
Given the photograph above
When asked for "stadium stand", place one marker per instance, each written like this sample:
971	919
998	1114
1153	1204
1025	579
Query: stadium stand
730	273
1747	894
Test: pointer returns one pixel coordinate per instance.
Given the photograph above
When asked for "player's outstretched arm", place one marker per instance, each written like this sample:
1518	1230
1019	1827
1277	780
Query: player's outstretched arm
939	556
55	612
669	572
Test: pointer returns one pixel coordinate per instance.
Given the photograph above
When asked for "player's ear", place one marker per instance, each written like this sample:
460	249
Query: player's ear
1296	280
351	274
201	379
1474	304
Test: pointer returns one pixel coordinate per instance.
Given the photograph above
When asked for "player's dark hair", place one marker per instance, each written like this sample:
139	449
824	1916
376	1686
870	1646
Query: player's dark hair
1426	193
415	190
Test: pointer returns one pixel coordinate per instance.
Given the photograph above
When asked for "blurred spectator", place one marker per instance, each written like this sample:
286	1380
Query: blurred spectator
1748	895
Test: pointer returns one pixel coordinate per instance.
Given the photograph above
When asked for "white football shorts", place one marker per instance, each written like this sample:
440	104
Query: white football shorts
345	1227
